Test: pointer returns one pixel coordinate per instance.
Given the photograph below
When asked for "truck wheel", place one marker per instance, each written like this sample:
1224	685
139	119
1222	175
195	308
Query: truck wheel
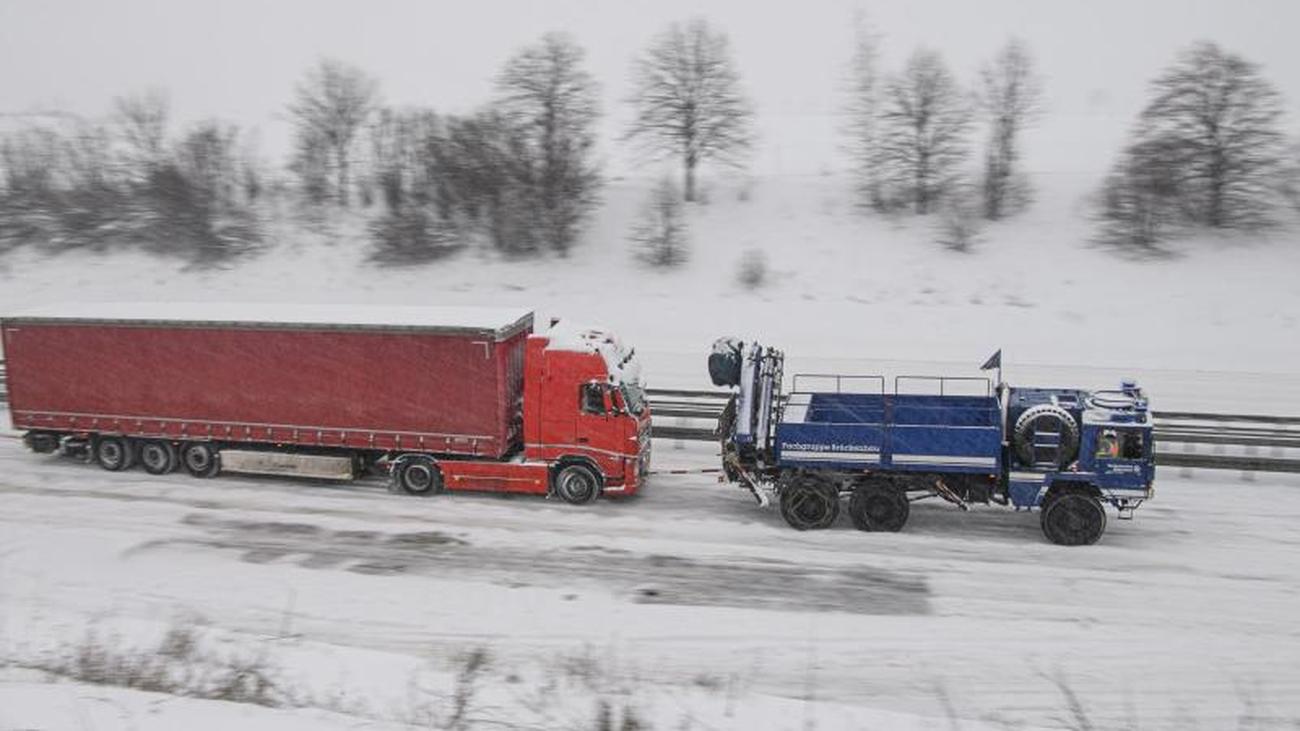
576	484
419	476
809	506
157	457
41	442
1073	519
114	453
879	508
200	459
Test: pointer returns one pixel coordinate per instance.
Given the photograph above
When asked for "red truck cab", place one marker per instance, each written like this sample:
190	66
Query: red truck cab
585	426
583	400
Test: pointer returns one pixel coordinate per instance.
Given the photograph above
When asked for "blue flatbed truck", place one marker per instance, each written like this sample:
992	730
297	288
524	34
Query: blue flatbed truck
1068	452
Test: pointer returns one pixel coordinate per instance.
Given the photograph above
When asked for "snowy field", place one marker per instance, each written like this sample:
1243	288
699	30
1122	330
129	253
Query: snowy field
688	606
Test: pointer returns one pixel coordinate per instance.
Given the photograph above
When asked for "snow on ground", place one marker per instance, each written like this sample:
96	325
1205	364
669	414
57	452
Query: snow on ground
689	603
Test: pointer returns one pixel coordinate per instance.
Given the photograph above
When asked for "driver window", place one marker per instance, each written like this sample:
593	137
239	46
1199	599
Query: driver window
1131	446
592	398
1108	445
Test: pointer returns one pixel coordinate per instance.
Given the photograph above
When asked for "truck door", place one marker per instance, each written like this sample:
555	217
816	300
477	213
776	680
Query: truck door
598	429
1123	456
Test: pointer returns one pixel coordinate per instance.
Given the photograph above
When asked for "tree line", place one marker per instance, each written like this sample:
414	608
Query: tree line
521	173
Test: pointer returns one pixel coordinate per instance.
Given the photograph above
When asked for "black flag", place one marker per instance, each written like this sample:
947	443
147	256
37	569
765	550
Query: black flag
994	361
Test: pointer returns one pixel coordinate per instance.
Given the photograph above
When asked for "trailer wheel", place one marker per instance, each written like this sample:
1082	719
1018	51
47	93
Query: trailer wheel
41	442
576	484
157	457
879	508
200	459
808	506
1073	519
419	476
114	453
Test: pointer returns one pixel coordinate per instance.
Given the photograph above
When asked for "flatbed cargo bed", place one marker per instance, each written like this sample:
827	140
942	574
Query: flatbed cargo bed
908	432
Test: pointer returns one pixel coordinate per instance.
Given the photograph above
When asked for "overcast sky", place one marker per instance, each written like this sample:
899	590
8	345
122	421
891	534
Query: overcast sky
239	59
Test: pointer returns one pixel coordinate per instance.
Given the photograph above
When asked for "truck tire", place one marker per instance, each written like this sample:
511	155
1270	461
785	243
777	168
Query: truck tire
157	457
1049	417
114	453
1073	519
809	506
876	507
419	476
576	484
200	459
41	442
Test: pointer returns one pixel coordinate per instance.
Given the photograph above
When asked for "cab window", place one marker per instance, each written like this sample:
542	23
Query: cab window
1131	445
592	398
1108	445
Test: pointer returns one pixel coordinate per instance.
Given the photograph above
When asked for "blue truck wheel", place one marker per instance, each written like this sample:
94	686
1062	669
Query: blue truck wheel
809	505
879	507
1073	519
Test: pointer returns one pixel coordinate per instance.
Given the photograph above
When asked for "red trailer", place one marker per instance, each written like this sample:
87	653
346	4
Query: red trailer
461	398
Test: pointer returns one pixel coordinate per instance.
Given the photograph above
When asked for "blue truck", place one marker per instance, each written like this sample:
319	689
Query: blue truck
1066	451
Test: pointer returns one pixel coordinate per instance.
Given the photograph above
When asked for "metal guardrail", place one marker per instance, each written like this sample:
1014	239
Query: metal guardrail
1244	433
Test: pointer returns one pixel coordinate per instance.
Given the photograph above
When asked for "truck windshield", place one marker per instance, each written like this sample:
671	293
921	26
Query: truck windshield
634	396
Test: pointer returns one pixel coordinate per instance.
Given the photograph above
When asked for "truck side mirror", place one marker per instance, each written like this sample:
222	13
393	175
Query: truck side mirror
616	401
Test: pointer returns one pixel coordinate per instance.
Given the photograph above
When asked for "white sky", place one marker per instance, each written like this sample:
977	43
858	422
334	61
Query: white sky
239	59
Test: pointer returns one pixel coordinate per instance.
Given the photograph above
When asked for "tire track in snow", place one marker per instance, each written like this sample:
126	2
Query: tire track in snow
648	578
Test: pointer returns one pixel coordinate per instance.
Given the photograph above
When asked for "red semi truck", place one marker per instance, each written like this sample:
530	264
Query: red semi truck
440	398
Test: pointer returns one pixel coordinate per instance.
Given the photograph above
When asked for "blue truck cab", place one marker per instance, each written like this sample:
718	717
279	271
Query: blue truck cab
1067	452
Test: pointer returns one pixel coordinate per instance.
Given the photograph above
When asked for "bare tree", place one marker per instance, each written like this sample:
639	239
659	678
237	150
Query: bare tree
1221	118
1207	151
1011	96
31	159
1291	175
331	106
923	132
483	178
863	112
660	236
958	228
401	157
207	158
549	97
142	122
1140	198
687	99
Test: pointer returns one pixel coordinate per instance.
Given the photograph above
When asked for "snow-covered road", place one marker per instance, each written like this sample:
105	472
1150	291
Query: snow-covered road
1187	612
